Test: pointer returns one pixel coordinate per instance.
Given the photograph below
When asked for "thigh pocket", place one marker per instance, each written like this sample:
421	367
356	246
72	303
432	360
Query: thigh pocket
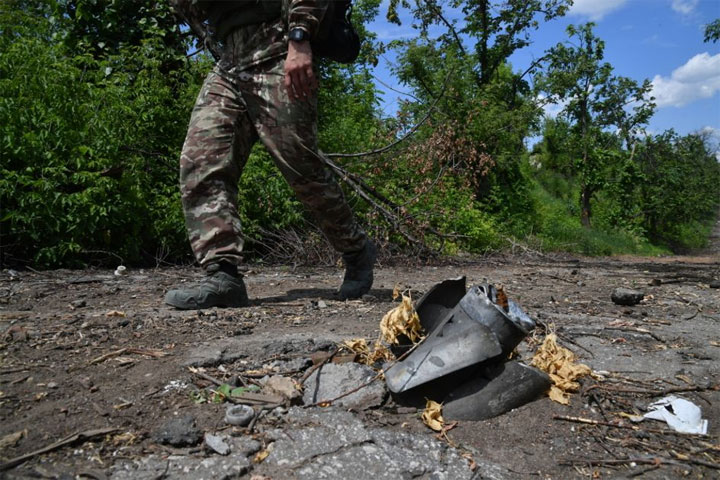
271	105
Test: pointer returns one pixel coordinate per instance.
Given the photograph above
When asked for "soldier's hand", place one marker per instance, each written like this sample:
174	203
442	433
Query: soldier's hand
299	76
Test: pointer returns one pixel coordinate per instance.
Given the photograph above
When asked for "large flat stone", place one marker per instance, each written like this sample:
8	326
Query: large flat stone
178	432
210	354
178	467
331	443
333	380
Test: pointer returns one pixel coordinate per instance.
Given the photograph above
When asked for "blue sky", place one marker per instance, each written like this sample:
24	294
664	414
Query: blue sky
661	40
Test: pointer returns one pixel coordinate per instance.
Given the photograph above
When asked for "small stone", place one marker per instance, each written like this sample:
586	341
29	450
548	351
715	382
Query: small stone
283	386
321	304
86	382
178	432
367	298
217	444
78	303
655	282
626	296
295	365
234	381
52	385
715	284
245	446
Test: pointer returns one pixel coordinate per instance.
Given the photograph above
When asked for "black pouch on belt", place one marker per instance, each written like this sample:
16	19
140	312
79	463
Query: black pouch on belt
337	39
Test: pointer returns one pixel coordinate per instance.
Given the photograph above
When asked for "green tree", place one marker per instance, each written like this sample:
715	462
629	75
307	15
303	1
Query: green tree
594	100
105	27
712	31
680	197
484	100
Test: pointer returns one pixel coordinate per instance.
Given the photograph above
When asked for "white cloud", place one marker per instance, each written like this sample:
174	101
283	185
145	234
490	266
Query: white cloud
595	9
699	78
685	7
712	138
711	131
551	109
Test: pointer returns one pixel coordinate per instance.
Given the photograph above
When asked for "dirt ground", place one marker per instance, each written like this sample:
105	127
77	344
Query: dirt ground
87	350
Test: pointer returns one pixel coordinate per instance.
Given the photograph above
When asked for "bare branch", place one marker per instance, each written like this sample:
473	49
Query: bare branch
404	137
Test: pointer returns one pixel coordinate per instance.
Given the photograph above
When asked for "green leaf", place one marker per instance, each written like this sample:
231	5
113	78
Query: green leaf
240	390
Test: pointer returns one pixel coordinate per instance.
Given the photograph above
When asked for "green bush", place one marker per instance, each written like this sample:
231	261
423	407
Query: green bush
89	153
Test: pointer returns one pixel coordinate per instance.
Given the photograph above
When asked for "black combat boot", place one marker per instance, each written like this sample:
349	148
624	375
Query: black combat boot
222	287
358	271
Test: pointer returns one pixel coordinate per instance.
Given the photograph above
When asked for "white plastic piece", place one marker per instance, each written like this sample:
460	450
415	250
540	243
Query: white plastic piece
680	414
120	270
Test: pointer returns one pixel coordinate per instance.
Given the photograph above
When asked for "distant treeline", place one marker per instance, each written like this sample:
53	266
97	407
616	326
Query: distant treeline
95	96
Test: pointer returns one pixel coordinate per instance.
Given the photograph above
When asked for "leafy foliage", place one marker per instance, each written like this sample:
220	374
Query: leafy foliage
594	100
87	147
95	97
712	31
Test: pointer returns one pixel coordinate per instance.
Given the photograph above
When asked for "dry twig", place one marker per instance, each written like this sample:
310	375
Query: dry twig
589	421
85	435
122	351
320	364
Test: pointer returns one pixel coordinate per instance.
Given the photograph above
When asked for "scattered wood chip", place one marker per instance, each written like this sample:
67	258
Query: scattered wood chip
123	351
685	379
126	438
502	299
115	313
123	405
122	361
16	333
11	439
251	398
261	455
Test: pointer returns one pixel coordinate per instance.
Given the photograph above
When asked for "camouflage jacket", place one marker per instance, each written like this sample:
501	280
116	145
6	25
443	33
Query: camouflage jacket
247	45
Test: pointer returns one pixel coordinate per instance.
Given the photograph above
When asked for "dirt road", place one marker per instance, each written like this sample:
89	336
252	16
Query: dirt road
87	350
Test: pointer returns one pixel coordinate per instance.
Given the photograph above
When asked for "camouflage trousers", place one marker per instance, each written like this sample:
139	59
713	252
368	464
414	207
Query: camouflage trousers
233	111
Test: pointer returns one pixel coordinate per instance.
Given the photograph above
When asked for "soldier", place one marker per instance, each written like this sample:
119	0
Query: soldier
263	88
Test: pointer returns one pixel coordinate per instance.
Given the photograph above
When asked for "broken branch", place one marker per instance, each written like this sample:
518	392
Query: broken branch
410	132
205	376
122	351
320	364
84	436
588	421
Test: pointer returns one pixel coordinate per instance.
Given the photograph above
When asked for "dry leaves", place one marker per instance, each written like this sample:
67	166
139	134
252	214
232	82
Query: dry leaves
126	438
401	320
432	416
560	364
261	455
367	356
